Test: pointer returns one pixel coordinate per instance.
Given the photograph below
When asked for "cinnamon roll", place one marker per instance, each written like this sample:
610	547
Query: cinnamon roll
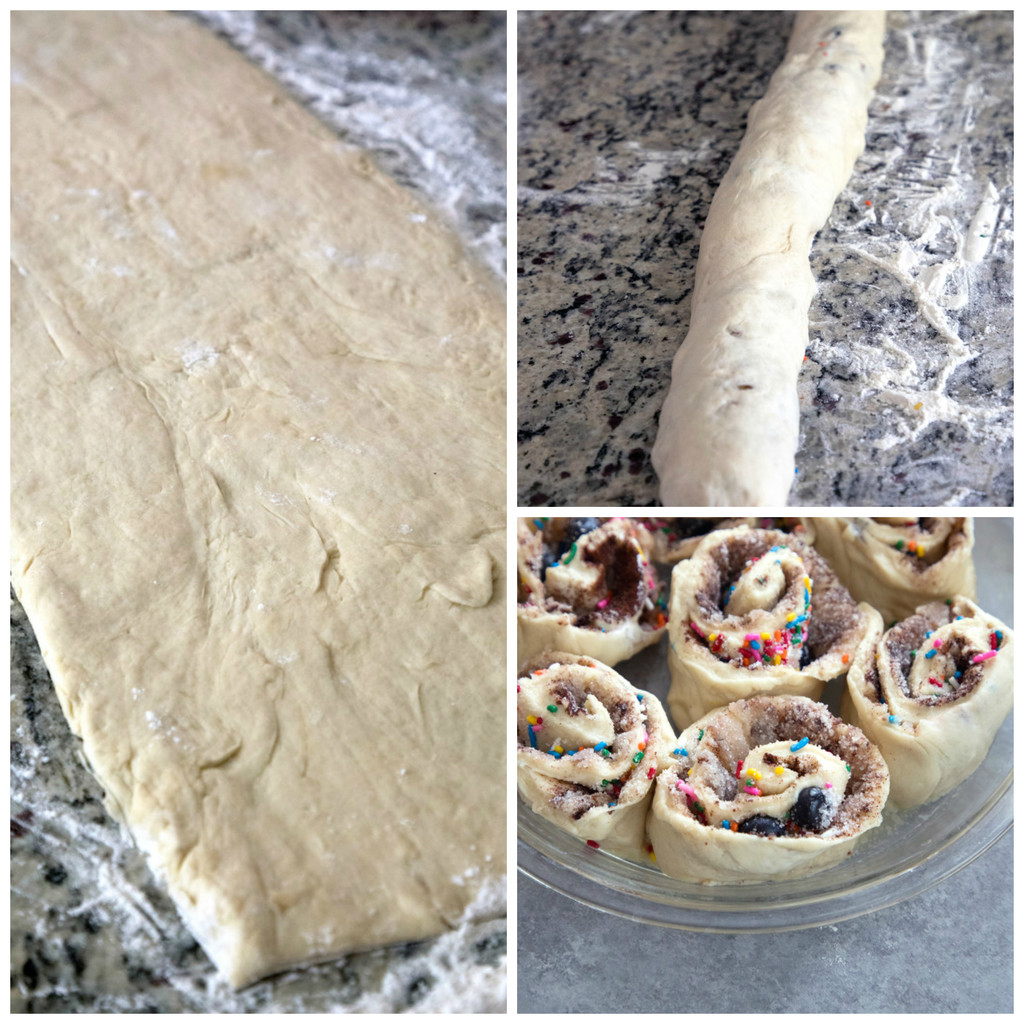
667	541
756	612
589	748
896	563
586	587
766	788
931	692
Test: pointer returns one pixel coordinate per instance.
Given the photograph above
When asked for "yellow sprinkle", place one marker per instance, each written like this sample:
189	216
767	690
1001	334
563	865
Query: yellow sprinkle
779	769
791	616
753	773
532	719
807	581
919	405
558	750
766	636
920	551
712	637
652	855
777	659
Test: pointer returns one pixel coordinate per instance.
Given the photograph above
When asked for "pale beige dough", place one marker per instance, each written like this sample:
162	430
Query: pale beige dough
258	453
933	728
934	559
729	427
589	765
744	587
706	787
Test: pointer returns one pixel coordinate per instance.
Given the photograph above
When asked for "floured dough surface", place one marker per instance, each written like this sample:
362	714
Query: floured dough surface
262	569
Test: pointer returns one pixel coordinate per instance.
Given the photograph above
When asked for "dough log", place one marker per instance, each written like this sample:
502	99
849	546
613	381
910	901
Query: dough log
729	426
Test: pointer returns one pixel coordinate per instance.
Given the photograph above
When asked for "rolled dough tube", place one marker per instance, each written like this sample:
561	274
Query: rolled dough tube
729	426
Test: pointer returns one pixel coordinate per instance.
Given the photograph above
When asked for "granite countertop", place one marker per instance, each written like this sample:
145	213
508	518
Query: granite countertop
947	950
91	929
627	123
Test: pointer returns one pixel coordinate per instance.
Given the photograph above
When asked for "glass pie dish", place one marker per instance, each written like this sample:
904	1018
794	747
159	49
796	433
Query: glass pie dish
909	853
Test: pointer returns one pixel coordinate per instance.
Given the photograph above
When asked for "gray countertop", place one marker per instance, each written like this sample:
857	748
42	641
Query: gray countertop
627	123
91	929
948	949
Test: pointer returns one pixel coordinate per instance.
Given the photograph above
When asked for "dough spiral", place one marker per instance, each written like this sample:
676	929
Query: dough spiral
586	587
668	540
896	563
770	787
931	692
589	748
756	612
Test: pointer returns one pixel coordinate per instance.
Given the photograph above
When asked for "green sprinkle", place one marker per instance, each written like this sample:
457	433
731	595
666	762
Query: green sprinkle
552	708
638	757
571	555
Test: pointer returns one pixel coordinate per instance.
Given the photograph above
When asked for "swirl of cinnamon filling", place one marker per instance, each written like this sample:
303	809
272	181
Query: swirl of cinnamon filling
770	787
589	748
895	563
931	692
586	587
756	611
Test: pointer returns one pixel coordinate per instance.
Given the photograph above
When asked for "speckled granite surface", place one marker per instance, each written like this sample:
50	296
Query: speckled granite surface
628	121
91	929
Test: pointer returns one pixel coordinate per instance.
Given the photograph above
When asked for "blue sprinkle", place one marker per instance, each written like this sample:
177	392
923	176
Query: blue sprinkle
893	719
931	653
600	746
796	469
800	745
569	753
640	696
755	645
725	823
613	803
555	754
533	739
539	523
681	750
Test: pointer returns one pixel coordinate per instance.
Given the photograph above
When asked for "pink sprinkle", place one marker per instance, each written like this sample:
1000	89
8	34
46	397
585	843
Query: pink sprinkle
984	657
752	790
828	785
752	636
937	643
603	604
688	790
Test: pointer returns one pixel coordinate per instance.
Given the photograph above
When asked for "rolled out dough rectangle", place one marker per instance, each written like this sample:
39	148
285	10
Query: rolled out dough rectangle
258	487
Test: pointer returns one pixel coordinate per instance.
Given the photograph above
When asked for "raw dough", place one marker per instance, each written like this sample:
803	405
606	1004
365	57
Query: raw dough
601	598
710	787
729	426
932	692
896	564
589	764
756	612
258	476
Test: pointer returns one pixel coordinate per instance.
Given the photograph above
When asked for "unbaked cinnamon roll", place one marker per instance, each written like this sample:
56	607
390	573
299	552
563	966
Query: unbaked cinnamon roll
931	692
896	563
756	612
667	541
589	748
766	788
586	587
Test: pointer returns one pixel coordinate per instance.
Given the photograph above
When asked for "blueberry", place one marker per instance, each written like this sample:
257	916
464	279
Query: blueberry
763	825
812	810
576	528
548	558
